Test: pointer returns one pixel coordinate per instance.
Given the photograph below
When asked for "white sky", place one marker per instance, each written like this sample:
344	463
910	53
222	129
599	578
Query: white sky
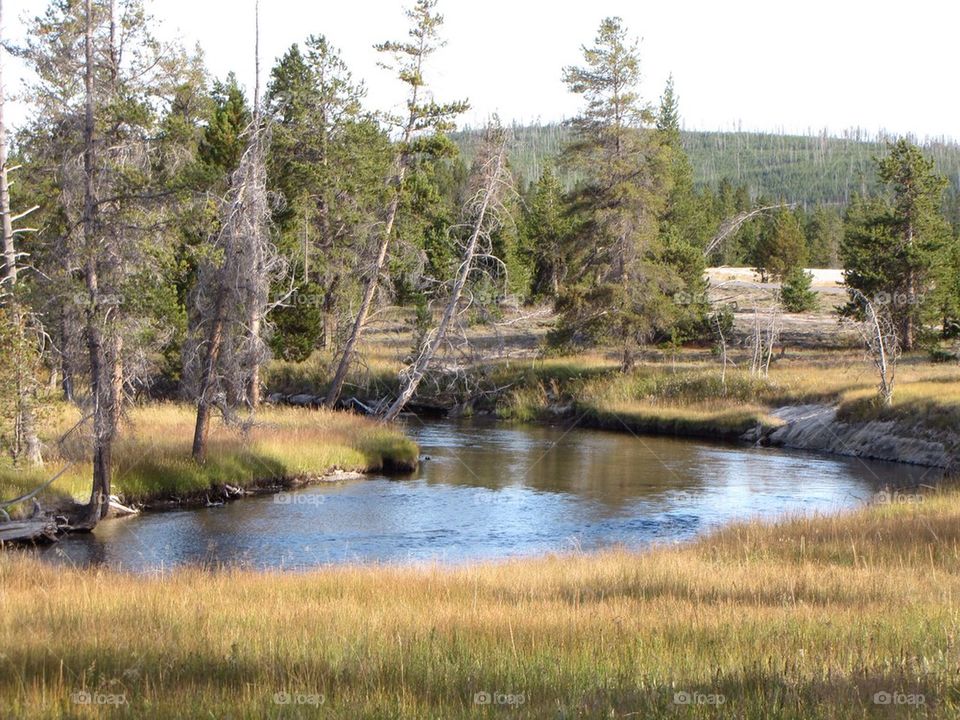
760	64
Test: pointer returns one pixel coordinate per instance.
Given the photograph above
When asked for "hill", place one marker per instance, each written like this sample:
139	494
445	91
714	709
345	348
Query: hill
804	169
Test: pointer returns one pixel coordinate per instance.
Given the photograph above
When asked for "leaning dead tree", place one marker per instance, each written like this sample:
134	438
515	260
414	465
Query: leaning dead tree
423	118
878	329
492	178
732	225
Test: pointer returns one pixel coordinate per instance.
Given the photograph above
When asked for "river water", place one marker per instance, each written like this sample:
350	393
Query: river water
491	491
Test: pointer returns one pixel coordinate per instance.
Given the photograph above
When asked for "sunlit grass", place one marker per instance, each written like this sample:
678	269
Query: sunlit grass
807	618
152	454
690	394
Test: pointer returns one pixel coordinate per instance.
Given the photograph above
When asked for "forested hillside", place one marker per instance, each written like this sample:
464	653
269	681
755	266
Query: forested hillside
804	169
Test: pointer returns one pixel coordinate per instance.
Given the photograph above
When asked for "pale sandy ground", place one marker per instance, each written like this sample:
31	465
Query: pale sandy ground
741	289
521	333
822	277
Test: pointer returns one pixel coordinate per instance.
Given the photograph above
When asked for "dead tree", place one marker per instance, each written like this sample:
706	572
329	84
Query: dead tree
722	346
105	353
878	329
231	289
422	118
765	337
732	225
232	296
492	178
24	351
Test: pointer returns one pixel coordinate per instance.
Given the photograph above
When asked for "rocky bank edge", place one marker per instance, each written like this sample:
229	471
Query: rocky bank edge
816	427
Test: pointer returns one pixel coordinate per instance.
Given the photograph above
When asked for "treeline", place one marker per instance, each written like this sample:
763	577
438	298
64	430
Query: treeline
810	170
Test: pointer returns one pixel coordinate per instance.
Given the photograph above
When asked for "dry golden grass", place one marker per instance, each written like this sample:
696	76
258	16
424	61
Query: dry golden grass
152	454
685	394
805	619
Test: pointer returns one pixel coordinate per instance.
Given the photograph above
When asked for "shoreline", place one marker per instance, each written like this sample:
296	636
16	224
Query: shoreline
810	428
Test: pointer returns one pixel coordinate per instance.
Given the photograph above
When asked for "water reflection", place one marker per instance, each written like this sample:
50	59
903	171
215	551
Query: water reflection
491	491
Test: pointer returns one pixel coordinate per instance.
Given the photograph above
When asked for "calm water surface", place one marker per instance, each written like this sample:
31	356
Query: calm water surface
492	491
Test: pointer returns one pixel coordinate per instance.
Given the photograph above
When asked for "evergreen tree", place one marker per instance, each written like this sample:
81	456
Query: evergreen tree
796	292
684	228
222	143
893	244
625	289
327	160
546	229
781	246
824	231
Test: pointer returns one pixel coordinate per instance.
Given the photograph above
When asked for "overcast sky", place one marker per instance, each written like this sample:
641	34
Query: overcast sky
760	64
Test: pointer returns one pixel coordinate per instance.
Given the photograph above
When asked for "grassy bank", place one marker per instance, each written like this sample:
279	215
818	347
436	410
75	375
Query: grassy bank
152	455
688	395
807	618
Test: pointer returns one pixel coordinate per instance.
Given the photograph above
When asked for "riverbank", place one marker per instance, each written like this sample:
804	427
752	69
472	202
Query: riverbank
821	401
824	402
282	447
825	617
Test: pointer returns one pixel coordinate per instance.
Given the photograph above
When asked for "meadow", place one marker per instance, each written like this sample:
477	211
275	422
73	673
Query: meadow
847	616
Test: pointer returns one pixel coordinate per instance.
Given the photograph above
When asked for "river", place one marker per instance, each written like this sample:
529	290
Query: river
491	491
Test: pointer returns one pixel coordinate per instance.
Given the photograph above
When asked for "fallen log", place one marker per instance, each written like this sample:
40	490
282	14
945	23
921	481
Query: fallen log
29	531
118	509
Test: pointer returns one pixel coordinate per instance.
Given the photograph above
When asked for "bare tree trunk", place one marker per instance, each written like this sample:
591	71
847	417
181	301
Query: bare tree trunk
908	332
66	365
255	319
9	253
879	333
253	387
433	340
214	341
340	377
329	312
102	412
723	353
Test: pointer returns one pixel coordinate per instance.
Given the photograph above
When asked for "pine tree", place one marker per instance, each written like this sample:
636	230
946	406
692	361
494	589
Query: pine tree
796	291
327	160
781	246
422	130
892	244
624	293
546	229
684	225
824	232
